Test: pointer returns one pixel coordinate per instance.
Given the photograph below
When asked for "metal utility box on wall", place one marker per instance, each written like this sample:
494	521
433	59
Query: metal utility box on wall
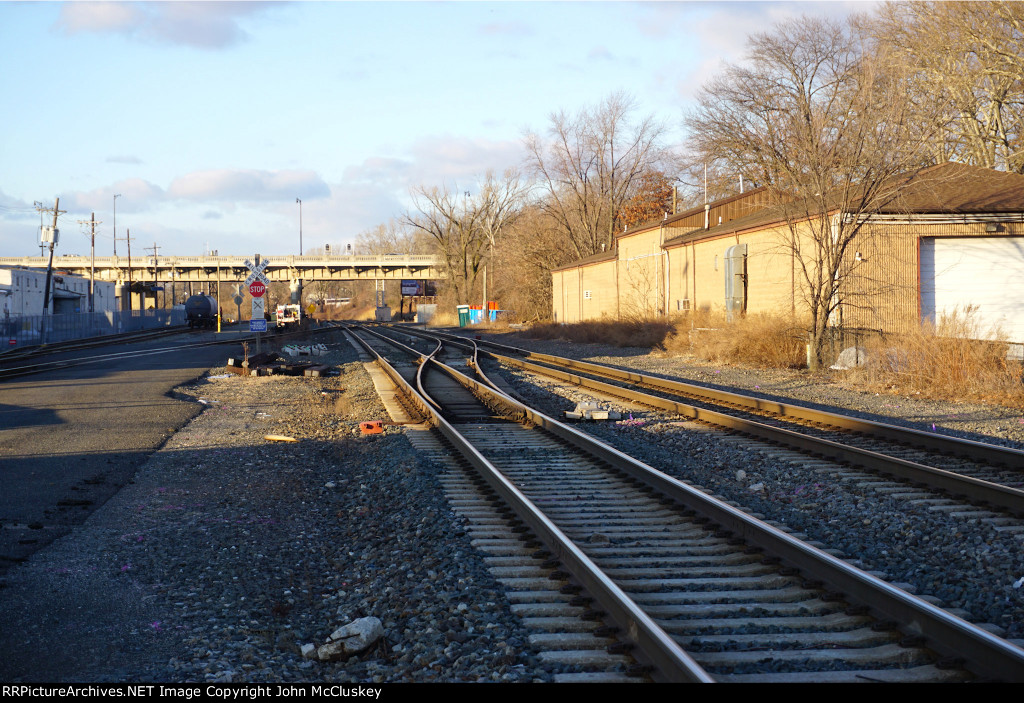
735	280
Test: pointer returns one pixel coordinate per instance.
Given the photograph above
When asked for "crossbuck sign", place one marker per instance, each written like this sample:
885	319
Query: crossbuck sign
256	272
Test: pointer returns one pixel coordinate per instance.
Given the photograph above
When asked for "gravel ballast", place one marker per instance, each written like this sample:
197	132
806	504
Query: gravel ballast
229	552
955	559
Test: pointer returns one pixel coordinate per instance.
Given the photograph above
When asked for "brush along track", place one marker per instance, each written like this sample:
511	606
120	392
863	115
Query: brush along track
745	601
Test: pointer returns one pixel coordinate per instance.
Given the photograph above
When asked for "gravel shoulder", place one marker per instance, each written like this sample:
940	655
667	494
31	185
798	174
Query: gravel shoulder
227	552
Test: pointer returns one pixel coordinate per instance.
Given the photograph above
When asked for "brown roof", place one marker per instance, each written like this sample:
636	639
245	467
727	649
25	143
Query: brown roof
960	188
609	255
949	188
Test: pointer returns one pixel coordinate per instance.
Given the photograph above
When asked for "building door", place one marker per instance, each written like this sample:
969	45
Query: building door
984	272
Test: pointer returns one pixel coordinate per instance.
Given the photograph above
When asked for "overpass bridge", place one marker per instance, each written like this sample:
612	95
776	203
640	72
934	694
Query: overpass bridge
211	269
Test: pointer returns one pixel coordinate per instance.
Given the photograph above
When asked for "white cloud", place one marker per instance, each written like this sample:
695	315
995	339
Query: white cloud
12	208
134	195
435	161
122	17
204	25
721	31
247	185
212	207
440	159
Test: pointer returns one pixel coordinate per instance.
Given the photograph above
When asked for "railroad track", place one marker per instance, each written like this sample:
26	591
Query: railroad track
988	476
39	350
684	585
23	365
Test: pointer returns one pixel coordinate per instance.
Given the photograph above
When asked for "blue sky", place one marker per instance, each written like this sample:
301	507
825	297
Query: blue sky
209	119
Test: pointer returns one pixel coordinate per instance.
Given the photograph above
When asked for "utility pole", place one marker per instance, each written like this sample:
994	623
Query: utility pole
118	195
92	266
128	238
218	291
156	250
49	267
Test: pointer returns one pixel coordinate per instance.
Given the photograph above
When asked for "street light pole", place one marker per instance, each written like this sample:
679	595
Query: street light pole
115	223
300	225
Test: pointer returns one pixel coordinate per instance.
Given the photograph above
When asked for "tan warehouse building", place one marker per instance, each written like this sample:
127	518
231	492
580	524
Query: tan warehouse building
953	238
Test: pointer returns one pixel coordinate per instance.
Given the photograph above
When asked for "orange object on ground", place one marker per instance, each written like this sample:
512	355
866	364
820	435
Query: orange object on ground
372	427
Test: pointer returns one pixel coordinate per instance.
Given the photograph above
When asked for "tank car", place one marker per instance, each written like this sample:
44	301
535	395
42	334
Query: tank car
201	311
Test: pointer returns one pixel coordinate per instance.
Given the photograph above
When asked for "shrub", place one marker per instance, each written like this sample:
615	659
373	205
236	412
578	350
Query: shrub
757	340
954	359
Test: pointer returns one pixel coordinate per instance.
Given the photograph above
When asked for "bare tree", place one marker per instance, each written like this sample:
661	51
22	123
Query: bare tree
500	202
393	237
464	227
590	164
523	258
813	114
968	56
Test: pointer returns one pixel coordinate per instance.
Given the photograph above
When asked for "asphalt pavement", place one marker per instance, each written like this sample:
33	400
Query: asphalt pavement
71	438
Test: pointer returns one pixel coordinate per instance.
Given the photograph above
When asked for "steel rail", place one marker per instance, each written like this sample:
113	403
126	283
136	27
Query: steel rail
1006	497
671	661
1008	456
953	637
945	633
36	350
997	495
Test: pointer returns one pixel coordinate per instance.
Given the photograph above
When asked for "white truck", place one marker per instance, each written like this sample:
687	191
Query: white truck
288	315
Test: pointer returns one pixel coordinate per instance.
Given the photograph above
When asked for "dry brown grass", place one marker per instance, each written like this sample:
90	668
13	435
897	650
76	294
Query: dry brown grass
764	340
950	360
444	318
946	361
612	332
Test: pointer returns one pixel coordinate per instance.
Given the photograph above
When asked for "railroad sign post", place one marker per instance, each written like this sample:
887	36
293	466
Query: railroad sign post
256	272
257	283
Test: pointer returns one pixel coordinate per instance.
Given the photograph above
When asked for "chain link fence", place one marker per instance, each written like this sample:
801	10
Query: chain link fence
27	330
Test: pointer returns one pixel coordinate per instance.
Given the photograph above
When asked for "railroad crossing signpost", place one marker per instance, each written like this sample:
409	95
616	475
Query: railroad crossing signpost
256	271
257	283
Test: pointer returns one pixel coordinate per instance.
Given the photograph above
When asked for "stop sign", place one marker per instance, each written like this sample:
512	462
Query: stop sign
257	289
